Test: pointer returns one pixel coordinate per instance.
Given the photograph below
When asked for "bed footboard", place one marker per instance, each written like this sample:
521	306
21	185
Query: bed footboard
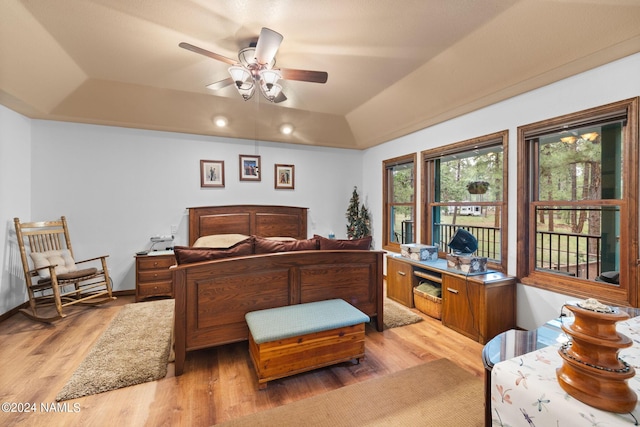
213	297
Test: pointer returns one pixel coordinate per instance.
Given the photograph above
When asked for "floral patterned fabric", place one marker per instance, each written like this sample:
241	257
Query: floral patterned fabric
525	390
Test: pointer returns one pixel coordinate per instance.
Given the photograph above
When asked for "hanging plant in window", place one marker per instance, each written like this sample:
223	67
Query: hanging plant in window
477	187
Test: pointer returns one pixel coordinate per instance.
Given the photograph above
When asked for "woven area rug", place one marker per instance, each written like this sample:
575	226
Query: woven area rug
398	315
133	349
437	393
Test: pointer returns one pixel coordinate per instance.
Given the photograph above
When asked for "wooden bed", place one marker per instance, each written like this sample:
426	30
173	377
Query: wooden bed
213	297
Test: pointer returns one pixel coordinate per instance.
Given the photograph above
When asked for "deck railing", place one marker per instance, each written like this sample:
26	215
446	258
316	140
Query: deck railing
488	239
573	254
576	255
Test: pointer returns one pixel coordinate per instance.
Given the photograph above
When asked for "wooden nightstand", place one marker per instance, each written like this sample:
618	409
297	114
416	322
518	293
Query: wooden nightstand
153	278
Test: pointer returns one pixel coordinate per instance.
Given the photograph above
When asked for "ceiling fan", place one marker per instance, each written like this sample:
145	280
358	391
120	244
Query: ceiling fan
255	67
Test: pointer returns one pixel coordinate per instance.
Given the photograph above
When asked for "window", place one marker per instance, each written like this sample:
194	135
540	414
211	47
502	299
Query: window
465	186
579	180
399	190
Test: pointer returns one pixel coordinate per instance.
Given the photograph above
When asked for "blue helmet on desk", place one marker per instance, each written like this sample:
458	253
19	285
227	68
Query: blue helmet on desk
463	242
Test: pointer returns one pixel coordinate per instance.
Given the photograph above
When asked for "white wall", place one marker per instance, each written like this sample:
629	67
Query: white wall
15	201
117	187
612	82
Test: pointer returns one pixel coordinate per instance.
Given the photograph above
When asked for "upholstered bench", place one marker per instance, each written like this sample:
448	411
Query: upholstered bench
297	338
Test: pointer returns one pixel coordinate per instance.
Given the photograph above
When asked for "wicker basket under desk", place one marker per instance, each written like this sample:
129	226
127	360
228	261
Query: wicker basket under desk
428	304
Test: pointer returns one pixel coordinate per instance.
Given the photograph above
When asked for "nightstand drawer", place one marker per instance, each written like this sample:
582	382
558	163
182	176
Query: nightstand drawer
155	262
154	276
156	288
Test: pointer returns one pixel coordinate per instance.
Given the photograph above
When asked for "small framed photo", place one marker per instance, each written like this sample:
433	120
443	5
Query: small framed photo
211	173
249	168
284	177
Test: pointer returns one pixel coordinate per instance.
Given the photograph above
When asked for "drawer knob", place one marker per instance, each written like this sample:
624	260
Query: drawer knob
453	291
402	273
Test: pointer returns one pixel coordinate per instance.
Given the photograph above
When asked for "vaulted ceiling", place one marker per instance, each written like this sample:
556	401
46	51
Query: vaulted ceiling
394	66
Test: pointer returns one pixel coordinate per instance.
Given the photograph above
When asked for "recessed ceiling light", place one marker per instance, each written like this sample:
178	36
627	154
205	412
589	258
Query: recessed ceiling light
220	121
286	129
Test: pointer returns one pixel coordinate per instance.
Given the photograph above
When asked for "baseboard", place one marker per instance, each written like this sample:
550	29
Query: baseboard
13	311
25	304
126	292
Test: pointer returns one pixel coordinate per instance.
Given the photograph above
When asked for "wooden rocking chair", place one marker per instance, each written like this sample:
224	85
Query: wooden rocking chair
52	276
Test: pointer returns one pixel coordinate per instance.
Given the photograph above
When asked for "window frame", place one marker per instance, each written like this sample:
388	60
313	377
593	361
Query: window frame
428	190
387	204
626	292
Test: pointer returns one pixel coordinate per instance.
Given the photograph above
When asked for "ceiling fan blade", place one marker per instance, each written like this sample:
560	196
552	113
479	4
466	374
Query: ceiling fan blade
220	84
280	98
304	75
267	46
205	52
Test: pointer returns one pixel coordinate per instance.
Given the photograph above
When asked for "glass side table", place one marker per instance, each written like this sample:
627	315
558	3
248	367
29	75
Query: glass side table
513	343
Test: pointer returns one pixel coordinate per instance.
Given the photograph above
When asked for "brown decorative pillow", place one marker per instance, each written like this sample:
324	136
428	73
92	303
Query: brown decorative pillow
337	244
188	254
268	246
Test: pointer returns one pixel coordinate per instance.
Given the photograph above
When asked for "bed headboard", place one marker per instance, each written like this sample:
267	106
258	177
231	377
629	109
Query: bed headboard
260	220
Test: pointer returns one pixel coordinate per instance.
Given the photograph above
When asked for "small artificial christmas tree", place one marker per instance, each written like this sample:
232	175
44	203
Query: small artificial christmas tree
358	219
364	222
353	214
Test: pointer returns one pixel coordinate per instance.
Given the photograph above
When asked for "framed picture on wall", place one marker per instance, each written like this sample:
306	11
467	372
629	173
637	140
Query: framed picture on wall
249	168
211	173
284	177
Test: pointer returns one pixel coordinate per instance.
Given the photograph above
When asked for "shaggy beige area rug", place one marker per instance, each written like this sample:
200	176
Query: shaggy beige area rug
395	315
133	349
438	394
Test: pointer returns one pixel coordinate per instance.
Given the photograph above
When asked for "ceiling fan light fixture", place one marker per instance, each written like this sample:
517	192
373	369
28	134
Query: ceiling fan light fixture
241	76
271	93
247	93
270	77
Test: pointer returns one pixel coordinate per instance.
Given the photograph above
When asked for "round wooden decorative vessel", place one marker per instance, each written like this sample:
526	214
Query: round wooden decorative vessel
591	370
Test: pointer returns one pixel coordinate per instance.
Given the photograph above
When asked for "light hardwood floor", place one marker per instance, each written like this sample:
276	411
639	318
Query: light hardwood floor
218	384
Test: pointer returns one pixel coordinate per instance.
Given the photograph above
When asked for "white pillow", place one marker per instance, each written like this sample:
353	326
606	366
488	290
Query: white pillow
60	258
219	240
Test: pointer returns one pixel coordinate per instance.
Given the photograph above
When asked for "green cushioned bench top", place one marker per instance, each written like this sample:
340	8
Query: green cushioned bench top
299	319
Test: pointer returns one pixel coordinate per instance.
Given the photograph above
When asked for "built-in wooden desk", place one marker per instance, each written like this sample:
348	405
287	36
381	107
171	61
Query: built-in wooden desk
479	306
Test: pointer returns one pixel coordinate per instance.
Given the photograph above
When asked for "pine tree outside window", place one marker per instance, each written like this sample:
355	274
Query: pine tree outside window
577	208
399	209
465	186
